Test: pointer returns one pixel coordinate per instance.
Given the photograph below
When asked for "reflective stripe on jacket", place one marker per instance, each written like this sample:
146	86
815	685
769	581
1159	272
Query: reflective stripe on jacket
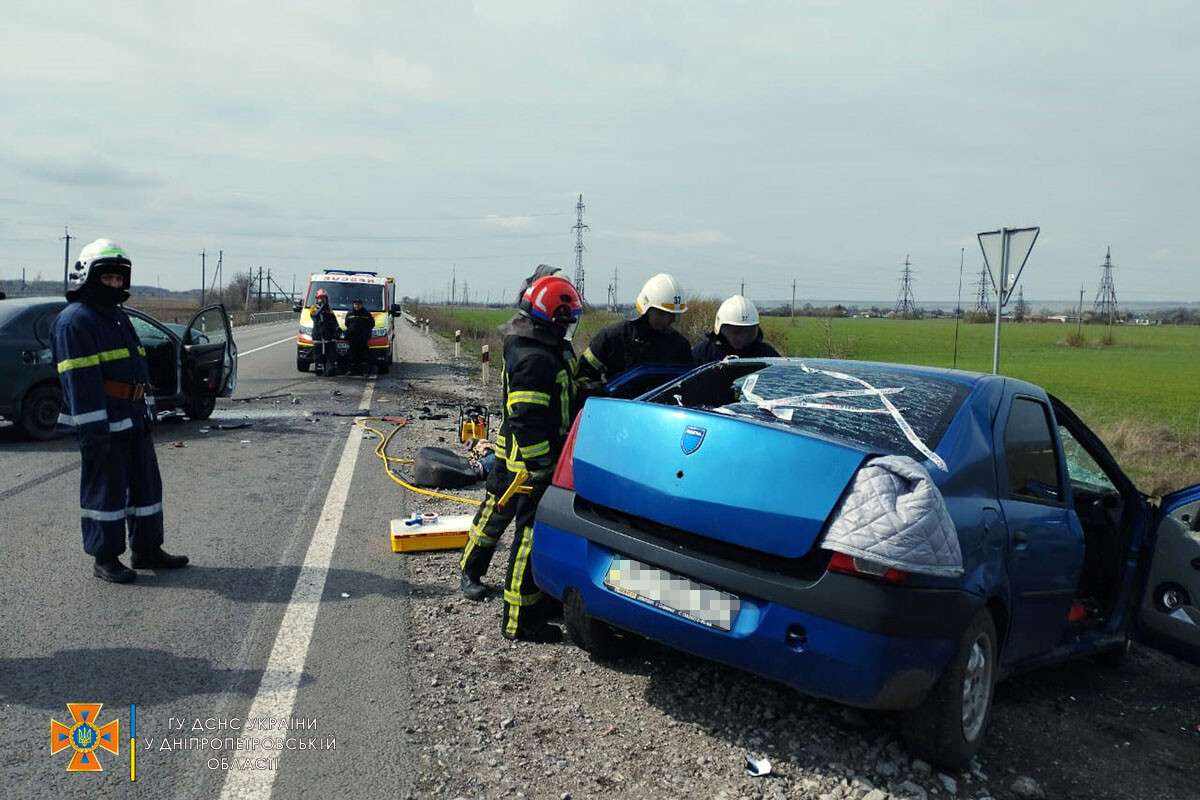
538	398
94	344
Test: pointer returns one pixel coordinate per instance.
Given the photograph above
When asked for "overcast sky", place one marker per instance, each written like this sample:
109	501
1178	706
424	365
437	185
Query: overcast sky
820	142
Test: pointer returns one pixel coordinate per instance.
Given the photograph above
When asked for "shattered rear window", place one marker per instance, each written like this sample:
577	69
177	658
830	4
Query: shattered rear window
884	410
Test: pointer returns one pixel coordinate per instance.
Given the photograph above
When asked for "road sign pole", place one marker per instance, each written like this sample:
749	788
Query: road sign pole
1000	293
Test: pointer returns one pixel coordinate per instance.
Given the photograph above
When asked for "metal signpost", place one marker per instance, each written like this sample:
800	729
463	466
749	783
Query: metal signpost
1001	249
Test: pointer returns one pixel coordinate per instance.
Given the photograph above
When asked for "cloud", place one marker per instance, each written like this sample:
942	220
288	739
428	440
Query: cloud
90	172
675	238
514	223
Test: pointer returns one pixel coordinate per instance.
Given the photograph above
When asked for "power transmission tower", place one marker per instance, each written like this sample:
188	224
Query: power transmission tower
612	292
1021	310
793	322
906	303
66	255
1106	296
983	300
579	228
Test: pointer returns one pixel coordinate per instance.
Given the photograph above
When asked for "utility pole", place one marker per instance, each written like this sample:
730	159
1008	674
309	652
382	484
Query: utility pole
1079	319
793	301
203	277
453	285
579	228
906	303
66	255
742	288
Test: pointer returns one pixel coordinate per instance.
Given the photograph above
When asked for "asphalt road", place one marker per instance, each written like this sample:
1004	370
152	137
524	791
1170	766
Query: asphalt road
290	610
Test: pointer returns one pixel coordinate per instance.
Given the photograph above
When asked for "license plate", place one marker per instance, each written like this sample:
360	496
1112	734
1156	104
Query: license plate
671	592
343	347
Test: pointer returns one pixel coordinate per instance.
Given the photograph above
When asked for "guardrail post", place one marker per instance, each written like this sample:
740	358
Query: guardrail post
484	357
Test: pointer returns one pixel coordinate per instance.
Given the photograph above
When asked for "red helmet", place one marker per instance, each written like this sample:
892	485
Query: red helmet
322	294
552	299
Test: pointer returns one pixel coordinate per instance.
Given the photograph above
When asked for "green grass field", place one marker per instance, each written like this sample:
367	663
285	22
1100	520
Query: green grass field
1141	393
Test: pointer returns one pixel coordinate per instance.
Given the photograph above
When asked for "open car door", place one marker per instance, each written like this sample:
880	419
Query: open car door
209	354
1169	616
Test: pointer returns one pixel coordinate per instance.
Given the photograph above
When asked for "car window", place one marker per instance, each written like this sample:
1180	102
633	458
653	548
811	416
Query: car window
887	410
208	327
45	324
1081	467
1029	452
150	335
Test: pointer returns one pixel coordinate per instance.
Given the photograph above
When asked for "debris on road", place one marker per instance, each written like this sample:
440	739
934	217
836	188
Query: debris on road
1027	788
178	444
757	766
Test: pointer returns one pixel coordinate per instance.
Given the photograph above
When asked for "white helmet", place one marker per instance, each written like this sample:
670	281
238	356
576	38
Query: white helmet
662	292
101	256
738	311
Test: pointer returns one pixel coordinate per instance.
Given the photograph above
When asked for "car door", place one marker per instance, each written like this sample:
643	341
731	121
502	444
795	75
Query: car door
209	362
162	356
1169	615
1045	541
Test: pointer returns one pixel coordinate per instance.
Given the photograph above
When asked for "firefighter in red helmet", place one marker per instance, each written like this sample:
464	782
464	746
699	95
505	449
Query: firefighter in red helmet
538	406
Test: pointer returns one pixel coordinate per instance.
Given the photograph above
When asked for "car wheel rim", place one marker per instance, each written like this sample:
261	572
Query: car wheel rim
45	413
977	687
1172	599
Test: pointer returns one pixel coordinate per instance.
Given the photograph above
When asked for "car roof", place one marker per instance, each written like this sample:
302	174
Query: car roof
32	302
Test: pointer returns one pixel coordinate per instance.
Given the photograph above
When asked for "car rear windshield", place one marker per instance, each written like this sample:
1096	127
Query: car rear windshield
341	295
876	407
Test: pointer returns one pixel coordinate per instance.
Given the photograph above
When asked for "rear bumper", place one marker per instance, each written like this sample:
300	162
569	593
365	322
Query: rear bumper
839	637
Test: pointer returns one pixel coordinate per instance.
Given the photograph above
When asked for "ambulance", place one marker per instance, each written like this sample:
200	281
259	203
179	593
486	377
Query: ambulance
344	286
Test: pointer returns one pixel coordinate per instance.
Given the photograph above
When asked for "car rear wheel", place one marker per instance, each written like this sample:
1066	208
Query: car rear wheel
199	408
597	637
949	727
39	412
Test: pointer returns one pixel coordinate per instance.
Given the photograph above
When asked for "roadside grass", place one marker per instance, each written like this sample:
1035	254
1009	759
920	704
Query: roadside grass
1140	392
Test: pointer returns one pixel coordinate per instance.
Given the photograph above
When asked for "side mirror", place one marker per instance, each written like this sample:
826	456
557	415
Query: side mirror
396	310
295	308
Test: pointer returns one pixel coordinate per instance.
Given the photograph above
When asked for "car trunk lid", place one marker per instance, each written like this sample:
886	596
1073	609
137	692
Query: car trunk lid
730	479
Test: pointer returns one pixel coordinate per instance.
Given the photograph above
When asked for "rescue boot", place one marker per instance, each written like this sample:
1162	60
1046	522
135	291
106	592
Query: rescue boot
113	571
157	559
473	589
542	633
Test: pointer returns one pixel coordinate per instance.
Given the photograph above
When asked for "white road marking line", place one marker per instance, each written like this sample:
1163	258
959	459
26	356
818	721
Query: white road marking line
265	346
276	697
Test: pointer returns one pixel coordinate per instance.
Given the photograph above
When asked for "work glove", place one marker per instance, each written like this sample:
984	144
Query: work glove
95	448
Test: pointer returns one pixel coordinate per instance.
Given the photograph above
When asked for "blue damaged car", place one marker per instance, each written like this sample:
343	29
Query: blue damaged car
885	536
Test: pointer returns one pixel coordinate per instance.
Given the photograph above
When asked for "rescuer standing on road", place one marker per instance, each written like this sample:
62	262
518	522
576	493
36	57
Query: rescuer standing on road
104	376
735	333
538	396
359	323
325	333
648	339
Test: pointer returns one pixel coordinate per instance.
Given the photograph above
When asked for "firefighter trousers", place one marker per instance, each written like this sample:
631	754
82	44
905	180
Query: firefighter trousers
122	489
523	601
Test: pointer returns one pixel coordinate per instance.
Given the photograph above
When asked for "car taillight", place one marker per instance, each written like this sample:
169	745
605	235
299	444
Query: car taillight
865	568
564	473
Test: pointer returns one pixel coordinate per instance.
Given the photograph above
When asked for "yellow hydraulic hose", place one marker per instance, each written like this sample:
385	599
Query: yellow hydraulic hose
382	455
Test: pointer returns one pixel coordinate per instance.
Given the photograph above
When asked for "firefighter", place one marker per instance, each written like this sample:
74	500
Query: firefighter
736	332
650	338
538	406
104	376
325	333
359	324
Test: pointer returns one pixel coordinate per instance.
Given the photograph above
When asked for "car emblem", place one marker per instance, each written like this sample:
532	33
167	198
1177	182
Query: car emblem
693	437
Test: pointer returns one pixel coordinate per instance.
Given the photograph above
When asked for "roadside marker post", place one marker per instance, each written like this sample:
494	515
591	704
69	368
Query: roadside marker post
1001	249
457	344
484	358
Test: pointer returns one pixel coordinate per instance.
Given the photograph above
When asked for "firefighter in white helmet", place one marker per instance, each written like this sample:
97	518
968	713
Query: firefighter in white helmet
648	338
736	332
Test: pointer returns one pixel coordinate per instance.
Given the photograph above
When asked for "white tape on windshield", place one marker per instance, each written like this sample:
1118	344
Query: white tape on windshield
784	407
